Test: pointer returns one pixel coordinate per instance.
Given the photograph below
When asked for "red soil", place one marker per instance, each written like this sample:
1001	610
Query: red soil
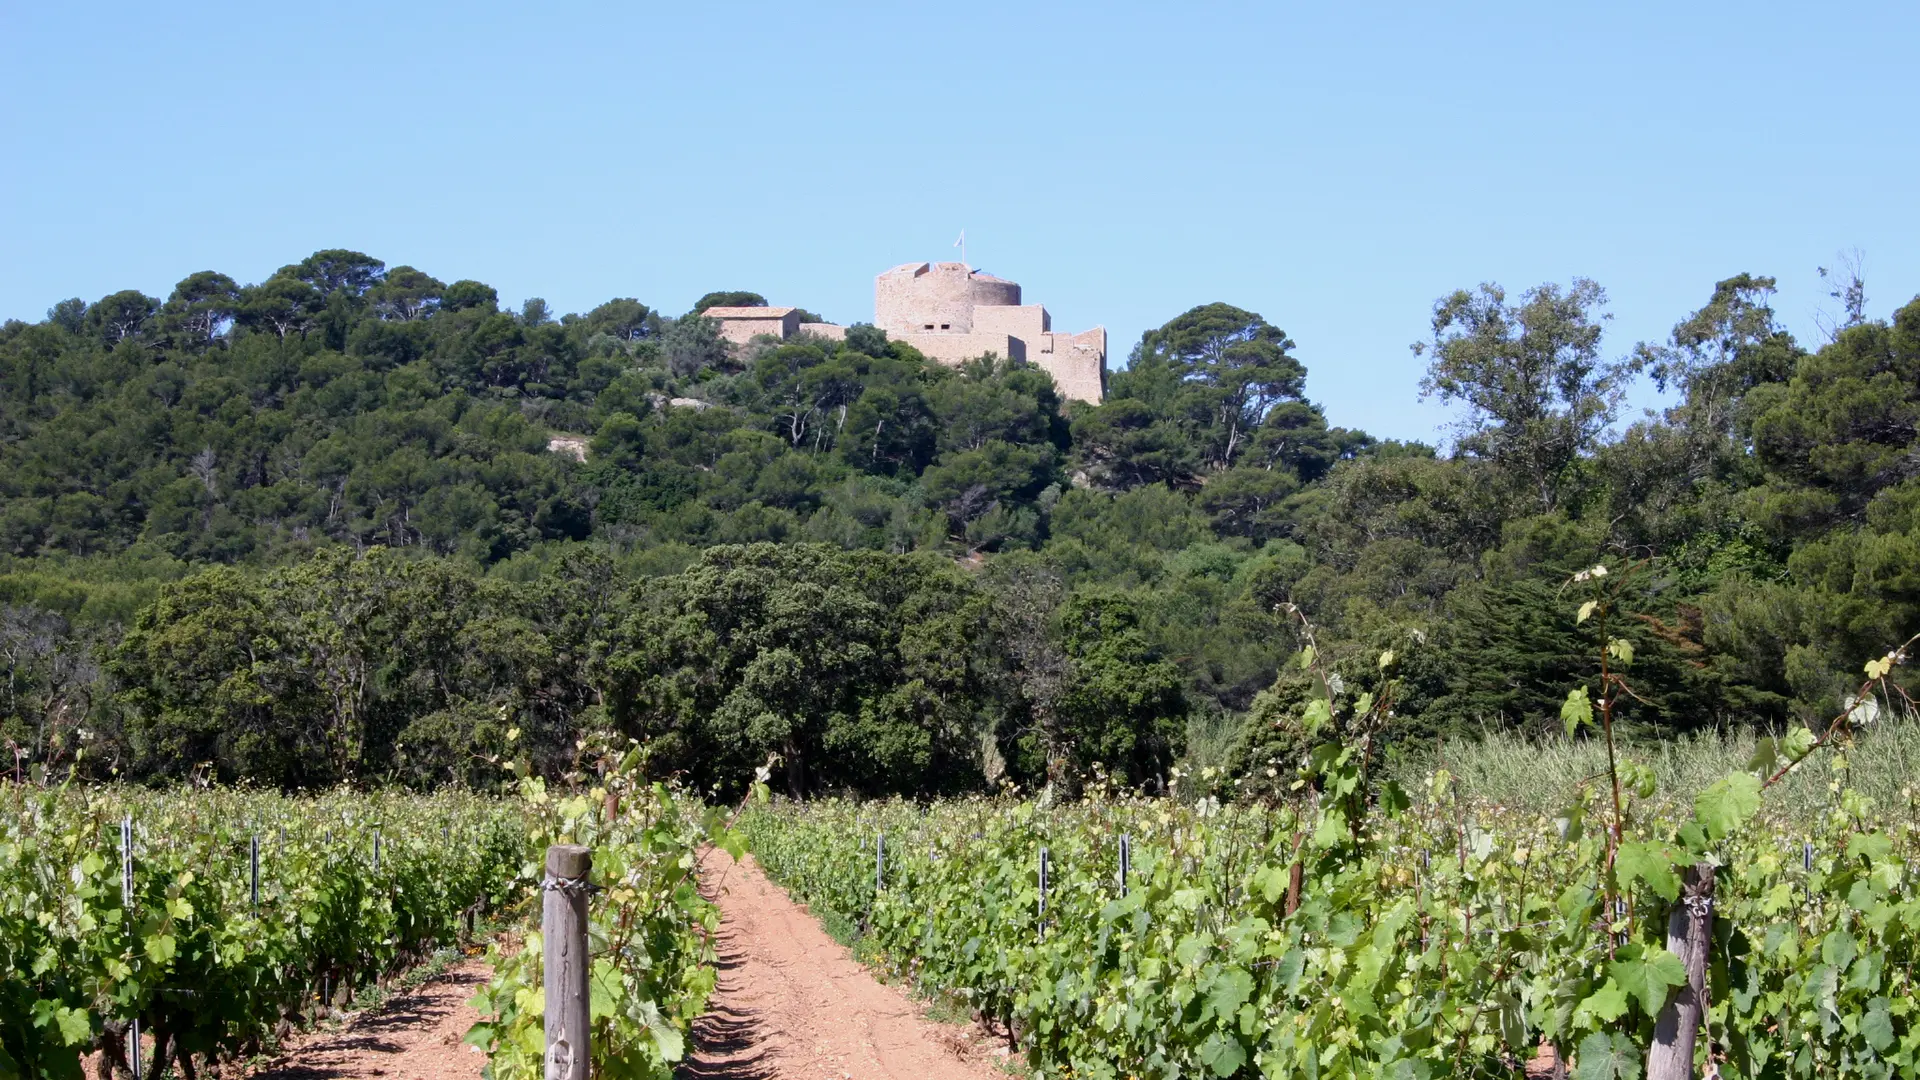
792	1003
413	1036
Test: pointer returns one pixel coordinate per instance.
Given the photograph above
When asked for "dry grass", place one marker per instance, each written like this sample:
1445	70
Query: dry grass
1512	770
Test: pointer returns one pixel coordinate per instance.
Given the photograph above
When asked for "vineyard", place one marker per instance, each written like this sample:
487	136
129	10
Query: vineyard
1345	924
1451	942
649	931
190	927
209	918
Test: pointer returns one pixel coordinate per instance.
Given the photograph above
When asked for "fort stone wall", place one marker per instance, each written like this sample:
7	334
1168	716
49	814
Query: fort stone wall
951	313
1077	362
1028	321
951	349
740	325
924	298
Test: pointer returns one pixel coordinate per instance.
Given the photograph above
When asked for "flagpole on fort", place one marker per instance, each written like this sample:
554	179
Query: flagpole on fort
962	245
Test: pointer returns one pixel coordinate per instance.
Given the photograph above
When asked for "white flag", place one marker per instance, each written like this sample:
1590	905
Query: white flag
962	242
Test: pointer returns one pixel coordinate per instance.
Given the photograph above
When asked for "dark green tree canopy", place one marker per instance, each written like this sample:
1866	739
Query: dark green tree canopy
201	308
1228	366
916	576
735	298
1537	389
465	294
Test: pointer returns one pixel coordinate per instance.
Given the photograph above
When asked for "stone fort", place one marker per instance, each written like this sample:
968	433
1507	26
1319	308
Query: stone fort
952	313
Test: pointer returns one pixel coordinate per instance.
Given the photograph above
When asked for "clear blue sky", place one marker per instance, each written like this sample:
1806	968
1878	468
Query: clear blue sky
1335	167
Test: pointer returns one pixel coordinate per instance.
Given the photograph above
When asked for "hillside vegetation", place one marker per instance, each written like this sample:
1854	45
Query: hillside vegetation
311	529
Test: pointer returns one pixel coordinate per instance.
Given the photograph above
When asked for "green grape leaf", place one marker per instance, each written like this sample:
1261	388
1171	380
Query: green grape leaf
604	989
1798	743
74	1024
1648	976
1839	949
1877	1025
1231	988
1605	1004
160	948
1638	778
1332	830
1511	1017
1586	611
1223	1054
672	1044
1271	881
1873	847
1650	862
1575	901
1316	715
1622	650
1577	711
1393	800
1725	806
1603	1056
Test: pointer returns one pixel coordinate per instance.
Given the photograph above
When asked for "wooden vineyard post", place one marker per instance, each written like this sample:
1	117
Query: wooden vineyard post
563	929
1044	867
1689	936
126	901
879	863
1126	862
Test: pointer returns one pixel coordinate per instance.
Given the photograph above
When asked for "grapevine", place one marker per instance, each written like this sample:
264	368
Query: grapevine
351	887
1432	936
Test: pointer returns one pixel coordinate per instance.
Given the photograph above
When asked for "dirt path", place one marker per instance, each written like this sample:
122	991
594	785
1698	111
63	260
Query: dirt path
414	1036
791	1003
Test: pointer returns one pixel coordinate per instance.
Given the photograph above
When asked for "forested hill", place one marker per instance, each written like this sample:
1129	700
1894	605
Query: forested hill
320	527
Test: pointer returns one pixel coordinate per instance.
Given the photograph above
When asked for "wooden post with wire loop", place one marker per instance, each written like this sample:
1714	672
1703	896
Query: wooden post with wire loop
563	930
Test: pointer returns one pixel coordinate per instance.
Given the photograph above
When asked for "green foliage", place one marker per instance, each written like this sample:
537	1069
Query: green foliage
1446	939
859	670
734	298
648	928
207	972
1221	369
344	404
1531	376
349	668
352	887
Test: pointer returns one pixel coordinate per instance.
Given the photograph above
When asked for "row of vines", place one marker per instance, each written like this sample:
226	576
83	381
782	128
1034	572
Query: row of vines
649	930
121	906
237	916
1362	930
1452	945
